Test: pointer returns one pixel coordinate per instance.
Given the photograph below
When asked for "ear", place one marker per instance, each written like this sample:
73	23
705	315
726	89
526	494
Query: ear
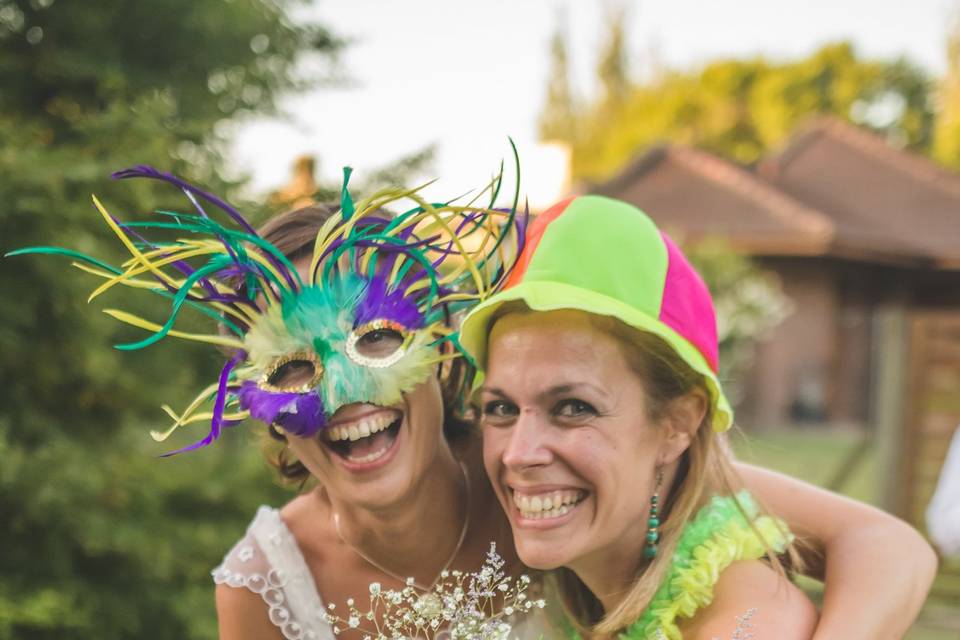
682	418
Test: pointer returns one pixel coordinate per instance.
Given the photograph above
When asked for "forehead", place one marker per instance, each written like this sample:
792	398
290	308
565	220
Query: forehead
302	265
556	340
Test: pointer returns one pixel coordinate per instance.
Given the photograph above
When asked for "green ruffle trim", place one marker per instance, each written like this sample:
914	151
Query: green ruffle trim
718	536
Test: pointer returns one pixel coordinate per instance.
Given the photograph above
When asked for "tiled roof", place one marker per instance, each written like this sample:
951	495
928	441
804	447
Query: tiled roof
694	194
882	199
834	190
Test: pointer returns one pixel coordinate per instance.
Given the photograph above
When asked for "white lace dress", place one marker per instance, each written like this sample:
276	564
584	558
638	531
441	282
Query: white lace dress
268	562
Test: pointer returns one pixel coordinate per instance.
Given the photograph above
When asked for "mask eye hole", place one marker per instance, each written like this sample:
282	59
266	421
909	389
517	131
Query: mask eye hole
380	343
298	372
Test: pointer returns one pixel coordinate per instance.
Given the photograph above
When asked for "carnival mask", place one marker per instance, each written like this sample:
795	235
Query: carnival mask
370	322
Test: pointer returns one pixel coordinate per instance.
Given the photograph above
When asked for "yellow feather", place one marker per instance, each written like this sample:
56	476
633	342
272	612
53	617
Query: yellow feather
129	318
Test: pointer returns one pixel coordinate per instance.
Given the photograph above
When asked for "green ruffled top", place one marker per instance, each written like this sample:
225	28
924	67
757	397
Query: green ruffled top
718	536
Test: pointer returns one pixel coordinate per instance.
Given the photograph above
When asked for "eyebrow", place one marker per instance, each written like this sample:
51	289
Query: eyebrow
556	390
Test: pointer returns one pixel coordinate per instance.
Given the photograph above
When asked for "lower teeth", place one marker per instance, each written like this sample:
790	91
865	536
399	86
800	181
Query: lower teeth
370	457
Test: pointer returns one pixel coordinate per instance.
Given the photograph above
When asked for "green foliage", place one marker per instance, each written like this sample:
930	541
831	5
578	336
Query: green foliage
101	538
946	143
749	302
559	115
613	66
741	109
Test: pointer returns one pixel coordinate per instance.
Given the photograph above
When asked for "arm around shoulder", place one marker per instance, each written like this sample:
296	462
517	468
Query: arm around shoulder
242	615
870	592
751	600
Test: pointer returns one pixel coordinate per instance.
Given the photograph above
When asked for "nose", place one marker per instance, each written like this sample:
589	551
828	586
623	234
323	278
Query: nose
527	445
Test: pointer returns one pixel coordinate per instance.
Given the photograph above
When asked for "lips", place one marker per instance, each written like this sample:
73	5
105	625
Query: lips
363	439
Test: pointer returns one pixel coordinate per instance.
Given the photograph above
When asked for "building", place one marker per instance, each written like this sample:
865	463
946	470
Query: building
854	228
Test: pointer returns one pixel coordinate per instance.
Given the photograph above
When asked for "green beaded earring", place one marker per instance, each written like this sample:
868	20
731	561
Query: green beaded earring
653	524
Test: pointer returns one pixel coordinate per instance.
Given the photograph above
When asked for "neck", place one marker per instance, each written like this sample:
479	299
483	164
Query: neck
611	573
416	535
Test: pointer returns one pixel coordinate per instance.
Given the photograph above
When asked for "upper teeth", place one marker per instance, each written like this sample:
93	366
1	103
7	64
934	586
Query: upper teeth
361	428
546	505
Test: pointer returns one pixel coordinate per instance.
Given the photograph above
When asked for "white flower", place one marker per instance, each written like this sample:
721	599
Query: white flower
461	606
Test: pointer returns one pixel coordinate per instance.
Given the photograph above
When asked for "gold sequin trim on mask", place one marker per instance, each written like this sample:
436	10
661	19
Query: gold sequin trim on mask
290	373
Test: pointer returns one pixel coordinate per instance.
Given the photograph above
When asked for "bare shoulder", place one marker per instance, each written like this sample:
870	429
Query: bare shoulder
750	597
242	615
310	522
299	509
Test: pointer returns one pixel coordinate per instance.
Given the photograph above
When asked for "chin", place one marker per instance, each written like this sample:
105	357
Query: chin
540	555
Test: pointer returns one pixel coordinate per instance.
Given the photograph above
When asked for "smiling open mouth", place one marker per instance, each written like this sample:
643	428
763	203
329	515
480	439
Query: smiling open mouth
547	505
365	439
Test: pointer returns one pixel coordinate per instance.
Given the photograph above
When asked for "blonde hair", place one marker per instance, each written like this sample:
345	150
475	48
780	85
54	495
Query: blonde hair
704	469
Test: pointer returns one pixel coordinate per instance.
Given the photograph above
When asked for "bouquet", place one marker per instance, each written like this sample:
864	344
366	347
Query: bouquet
461	606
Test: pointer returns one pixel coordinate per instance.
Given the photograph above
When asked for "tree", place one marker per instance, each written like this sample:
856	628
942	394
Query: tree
559	115
101	539
741	109
946	142
613	67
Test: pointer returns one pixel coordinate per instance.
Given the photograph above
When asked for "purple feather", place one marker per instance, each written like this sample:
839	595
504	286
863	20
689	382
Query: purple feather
218	406
378	303
300	413
146	171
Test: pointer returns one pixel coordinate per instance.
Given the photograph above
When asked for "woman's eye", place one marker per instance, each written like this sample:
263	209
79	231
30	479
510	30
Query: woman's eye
292	375
574	409
379	343
499	409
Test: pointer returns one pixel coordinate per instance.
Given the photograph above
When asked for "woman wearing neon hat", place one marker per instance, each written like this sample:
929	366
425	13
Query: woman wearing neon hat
313	375
601	411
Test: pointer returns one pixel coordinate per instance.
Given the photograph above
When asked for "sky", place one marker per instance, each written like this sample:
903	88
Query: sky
466	74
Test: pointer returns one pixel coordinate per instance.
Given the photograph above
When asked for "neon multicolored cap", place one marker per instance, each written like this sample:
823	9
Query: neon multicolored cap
607	257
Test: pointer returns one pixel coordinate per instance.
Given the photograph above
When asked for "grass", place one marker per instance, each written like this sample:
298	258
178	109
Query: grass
817	456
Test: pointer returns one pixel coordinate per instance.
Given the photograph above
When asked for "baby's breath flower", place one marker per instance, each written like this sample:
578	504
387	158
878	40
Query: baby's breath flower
457	607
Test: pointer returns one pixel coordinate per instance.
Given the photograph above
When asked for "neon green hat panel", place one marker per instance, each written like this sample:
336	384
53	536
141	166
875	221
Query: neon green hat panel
597	261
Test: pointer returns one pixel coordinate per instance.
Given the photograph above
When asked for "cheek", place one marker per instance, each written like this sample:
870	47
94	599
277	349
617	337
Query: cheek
309	452
494	443
618	468
587	453
425	408
625	476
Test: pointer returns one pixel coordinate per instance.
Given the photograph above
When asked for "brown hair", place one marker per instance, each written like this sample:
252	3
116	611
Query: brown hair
293	234
704	469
